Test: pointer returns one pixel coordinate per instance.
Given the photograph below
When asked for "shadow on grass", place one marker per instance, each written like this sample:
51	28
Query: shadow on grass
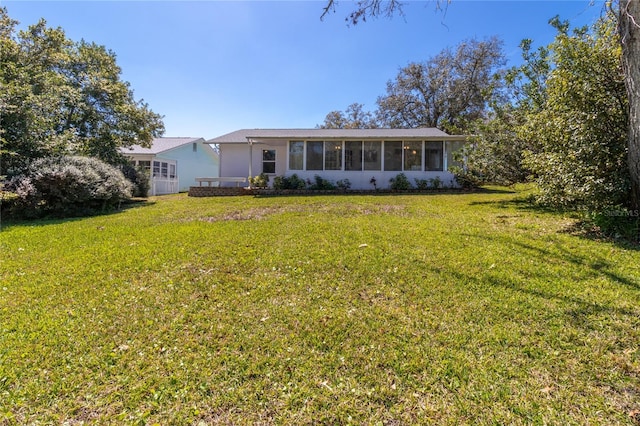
518	281
46	221
599	266
582	228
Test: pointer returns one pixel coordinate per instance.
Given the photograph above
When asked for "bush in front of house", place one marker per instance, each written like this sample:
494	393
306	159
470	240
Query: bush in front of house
321	184
291	182
400	182
67	187
343	184
139	177
260	181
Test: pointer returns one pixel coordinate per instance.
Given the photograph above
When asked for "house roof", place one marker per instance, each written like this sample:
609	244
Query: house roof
242	136
160	145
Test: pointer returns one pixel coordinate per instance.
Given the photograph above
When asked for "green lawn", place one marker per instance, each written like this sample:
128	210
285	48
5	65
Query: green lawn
392	310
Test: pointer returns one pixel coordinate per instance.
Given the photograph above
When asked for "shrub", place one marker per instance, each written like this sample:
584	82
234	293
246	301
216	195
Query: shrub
466	179
139	177
260	181
291	182
67	187
400	182
343	184
321	184
436	182
422	183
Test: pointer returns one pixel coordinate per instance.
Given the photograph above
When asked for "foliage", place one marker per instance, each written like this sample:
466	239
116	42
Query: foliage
291	182
67	187
436	182
139	177
320	184
466	178
343	184
260	181
582	127
373	181
375	309
353	118
447	91
422	184
64	97
400	182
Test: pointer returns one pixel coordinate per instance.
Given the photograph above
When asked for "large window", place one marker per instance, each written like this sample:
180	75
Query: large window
314	155
333	155
454	153
433	156
269	161
353	155
372	157
392	155
413	156
296	155
362	156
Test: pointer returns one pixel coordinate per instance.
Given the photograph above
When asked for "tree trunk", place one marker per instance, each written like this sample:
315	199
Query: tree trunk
629	27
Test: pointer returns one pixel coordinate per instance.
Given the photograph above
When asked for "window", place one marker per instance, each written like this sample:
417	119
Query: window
314	155
392	155
146	165
296	155
433	156
333	155
353	155
454	152
269	161
162	169
195	147
372	155
413	156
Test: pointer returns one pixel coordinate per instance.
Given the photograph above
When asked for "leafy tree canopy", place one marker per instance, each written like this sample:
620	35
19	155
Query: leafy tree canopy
354	117
64	97
447	91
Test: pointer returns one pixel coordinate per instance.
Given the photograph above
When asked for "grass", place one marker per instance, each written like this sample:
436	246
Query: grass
414	309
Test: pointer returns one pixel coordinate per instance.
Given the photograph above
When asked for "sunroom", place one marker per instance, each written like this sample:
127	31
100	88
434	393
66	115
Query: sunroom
359	155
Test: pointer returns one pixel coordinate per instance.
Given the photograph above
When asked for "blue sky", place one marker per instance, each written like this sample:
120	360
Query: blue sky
212	67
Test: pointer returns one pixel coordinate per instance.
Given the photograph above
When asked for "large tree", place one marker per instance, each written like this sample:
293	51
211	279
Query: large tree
63	97
629	30
354	117
581	125
448	91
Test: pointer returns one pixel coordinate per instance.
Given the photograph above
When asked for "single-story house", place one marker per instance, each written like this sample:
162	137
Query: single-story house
337	154
174	163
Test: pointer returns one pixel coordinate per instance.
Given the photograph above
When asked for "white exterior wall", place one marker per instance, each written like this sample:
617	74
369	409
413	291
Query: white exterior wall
234	160
204	162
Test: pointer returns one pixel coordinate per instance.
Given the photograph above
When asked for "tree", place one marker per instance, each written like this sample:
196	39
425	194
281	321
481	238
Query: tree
62	97
629	31
447	91
354	117
581	127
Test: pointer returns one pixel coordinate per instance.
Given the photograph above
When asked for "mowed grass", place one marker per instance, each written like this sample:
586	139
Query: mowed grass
391	309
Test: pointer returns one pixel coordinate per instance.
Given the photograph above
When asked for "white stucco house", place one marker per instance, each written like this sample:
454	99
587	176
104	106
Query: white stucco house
336	154
174	163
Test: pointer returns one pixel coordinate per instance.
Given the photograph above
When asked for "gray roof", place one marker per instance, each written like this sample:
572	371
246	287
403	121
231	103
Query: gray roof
241	136
160	145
